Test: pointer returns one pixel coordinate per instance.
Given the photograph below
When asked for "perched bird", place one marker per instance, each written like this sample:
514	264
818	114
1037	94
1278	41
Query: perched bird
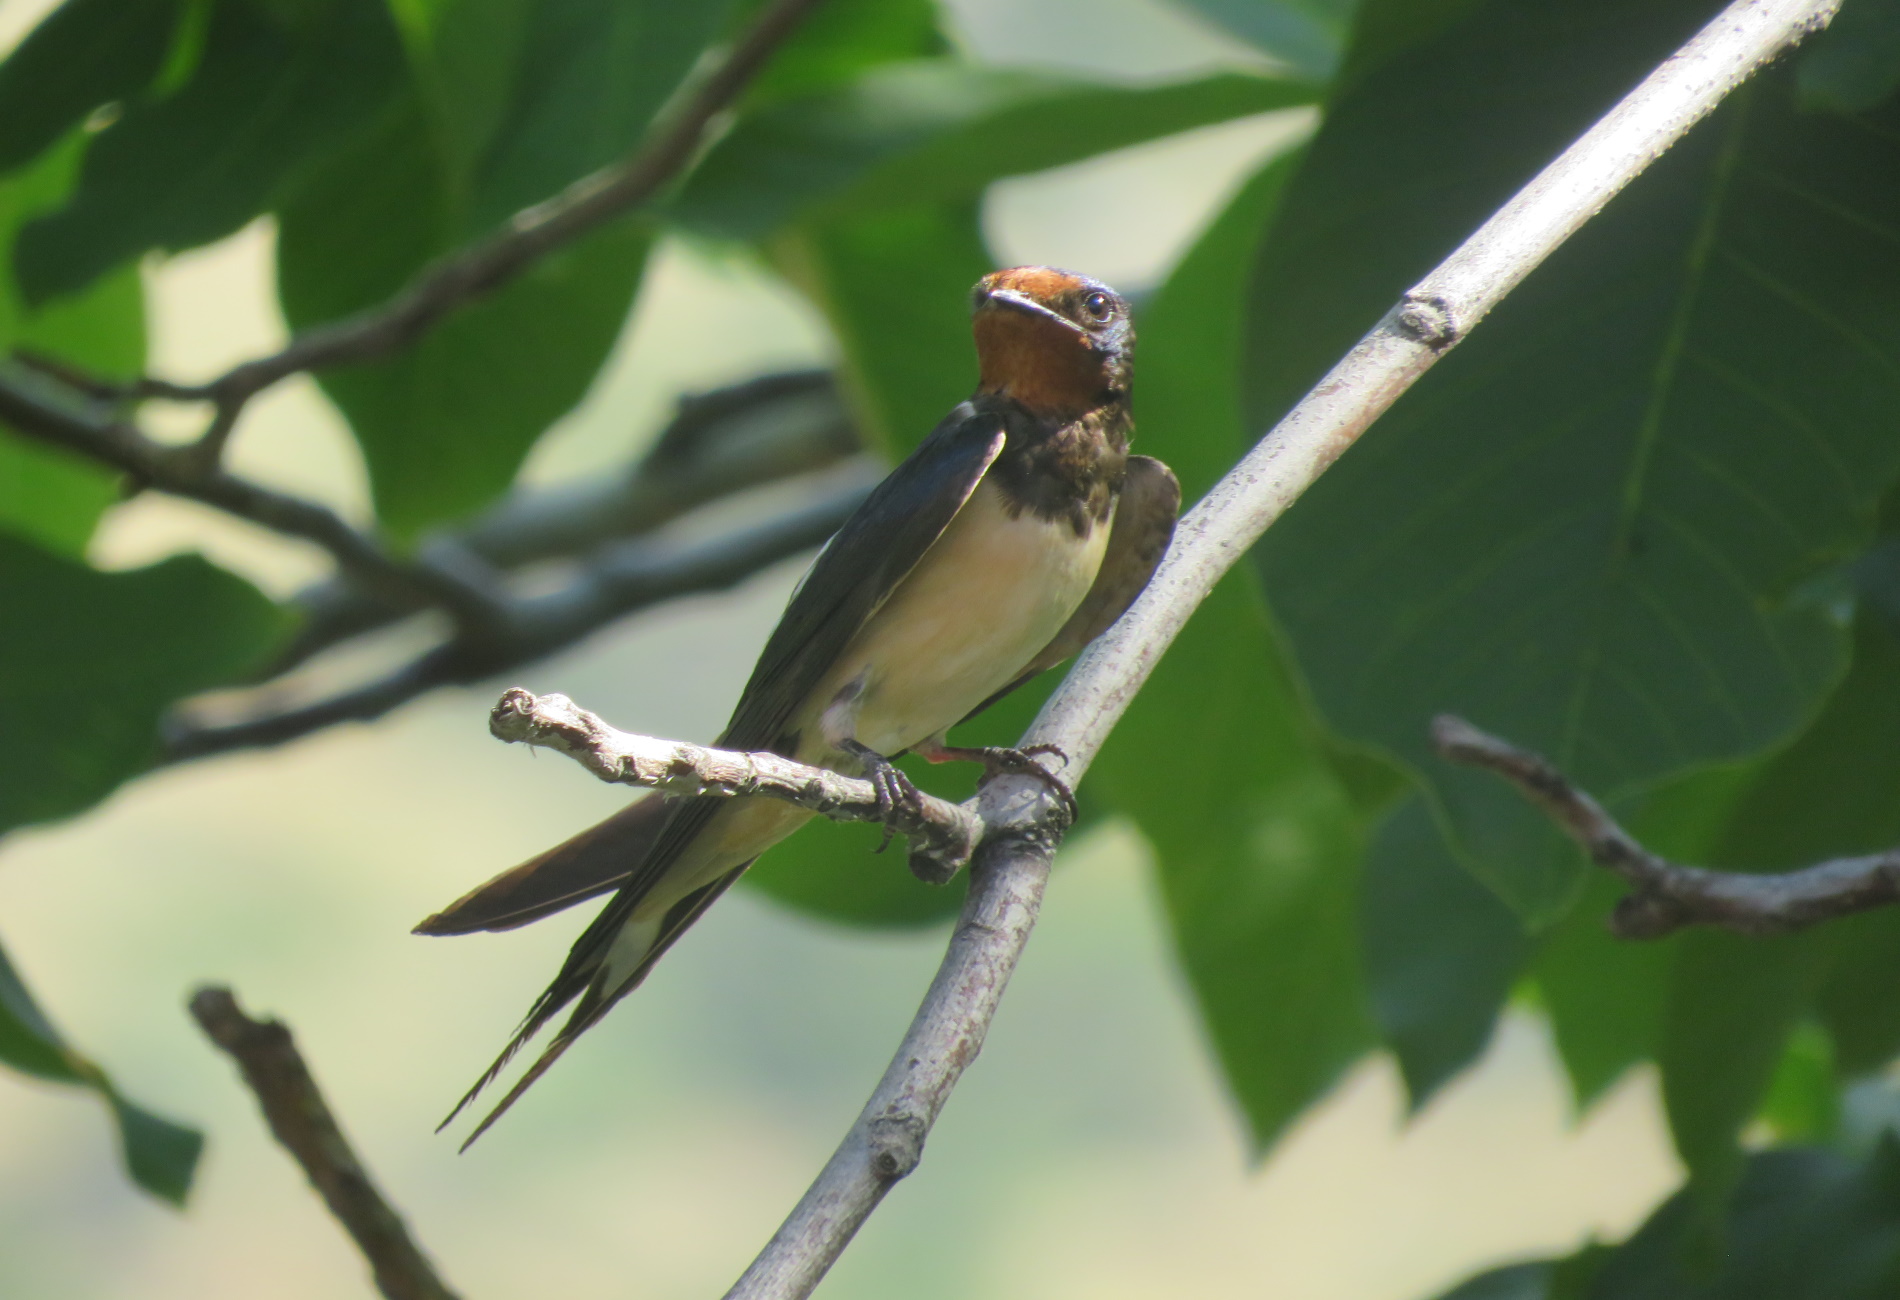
1016	533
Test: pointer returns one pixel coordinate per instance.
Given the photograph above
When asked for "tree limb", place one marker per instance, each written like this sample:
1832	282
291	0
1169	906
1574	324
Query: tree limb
619	580
32	407
1012	861
267	1057
764	430
941	834
1666	896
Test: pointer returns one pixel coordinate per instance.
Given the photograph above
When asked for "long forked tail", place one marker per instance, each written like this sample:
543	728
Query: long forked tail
591	985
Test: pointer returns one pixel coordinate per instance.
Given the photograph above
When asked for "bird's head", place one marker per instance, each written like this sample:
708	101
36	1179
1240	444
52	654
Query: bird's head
1059	343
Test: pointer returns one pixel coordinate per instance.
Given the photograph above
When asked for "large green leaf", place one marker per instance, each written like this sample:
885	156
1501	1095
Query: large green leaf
445	425
85	54
271	93
1441	951
1589	528
591	75
46	495
98	657
840	39
909	134
895	288
1256	839
1855	63
160	1155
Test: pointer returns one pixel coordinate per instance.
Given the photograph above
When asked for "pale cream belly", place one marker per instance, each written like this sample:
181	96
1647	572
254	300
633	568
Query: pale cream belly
984	600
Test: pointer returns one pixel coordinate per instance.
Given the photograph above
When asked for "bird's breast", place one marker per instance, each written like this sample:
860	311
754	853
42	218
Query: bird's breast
988	595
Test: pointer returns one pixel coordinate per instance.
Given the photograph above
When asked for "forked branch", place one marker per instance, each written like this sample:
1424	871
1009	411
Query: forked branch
1665	896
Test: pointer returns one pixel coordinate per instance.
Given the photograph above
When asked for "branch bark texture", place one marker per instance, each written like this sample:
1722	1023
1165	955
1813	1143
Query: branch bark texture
1012	863
1666	896
942	835
268	1058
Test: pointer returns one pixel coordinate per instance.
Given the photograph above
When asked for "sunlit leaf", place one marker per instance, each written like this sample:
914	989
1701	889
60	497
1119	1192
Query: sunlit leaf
268	98
908	134
114	650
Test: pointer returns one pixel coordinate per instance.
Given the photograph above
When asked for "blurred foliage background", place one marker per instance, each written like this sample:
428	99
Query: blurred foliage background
1640	521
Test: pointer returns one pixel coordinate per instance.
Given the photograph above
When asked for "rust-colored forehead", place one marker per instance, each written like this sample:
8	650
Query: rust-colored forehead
1040	283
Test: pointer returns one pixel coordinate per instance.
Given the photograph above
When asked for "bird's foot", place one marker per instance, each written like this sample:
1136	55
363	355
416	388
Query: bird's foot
894	789
998	760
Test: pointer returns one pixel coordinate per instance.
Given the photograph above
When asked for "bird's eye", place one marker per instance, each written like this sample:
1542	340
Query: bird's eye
1099	305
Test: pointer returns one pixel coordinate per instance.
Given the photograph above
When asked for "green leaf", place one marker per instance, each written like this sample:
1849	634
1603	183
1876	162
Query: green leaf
1257	842
1855	64
160	1155
1805	1224
444	426
592	74
1441	951
1733	1002
46	495
114	650
842	38
1605	996
1590	527
909	134
1309	35
894	287
1803	1103
268	97
84	54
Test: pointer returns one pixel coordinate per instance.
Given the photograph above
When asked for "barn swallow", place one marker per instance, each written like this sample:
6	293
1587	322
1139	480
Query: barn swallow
1016	533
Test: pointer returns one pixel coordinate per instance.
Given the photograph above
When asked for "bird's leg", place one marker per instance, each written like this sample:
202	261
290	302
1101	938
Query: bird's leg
894	789
999	759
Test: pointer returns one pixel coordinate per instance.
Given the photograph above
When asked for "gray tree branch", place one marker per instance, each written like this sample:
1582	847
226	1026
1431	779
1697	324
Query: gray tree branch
1021	819
1666	896
300	1119
941	834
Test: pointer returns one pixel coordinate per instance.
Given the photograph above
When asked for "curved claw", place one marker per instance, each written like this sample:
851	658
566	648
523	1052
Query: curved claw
893	788
999	759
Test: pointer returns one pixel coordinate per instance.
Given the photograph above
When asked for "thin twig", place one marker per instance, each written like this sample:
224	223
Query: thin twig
302	1122
762	431
619	580
1666	896
941	834
34	408
1012	862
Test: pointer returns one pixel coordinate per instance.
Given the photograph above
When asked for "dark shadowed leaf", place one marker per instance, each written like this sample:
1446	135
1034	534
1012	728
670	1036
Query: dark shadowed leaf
115	649
85	54
160	1155
908	134
269	96
1733	1002
1256	840
1441	951
1855	64
1589	529
444	426
46	495
895	289
1605	996
841	38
